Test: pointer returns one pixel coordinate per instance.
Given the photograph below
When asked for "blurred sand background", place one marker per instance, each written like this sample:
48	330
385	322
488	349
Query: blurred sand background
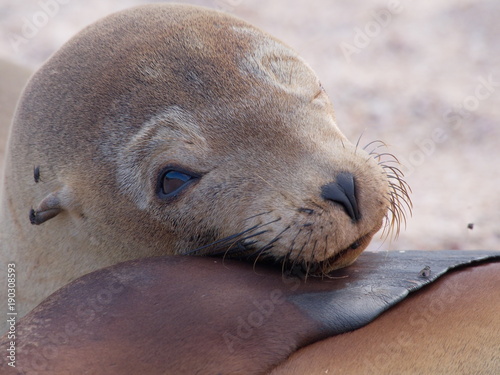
424	77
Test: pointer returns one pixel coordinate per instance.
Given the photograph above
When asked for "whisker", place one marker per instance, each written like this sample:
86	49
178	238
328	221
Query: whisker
359	140
323	273
382	144
229	238
254	216
394	158
384	163
399	201
312	254
300	253
267	246
230	250
284	262
292	246
374	151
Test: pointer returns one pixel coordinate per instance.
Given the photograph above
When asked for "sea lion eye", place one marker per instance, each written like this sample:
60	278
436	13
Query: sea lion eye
172	182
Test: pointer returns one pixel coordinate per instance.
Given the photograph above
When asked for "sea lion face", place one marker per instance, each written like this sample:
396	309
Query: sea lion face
200	134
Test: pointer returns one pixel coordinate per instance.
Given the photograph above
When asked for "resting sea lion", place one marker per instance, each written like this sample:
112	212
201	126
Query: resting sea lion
173	129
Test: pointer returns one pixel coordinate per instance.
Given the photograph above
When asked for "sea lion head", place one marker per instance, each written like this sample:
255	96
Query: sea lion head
173	129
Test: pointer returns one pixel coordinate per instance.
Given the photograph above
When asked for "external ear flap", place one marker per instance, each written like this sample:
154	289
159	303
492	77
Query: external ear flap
48	208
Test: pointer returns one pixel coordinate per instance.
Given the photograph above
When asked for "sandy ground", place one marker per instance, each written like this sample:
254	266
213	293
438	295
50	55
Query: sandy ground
422	76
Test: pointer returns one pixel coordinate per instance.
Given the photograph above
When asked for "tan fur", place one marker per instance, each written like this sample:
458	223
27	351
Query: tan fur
176	85
450	327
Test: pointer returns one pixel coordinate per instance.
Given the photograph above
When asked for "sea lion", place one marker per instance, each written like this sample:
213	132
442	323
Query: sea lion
174	129
224	317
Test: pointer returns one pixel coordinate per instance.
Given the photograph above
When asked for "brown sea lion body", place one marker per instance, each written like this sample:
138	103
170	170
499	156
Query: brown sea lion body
170	128
225	317
450	327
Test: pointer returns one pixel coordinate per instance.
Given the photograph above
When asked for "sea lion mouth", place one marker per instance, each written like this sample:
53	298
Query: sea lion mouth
343	258
246	249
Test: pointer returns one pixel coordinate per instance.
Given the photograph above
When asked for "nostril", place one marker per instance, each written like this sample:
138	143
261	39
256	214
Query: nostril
343	191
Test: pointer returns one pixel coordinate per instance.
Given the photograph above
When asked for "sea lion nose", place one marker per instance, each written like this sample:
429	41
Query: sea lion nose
343	191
